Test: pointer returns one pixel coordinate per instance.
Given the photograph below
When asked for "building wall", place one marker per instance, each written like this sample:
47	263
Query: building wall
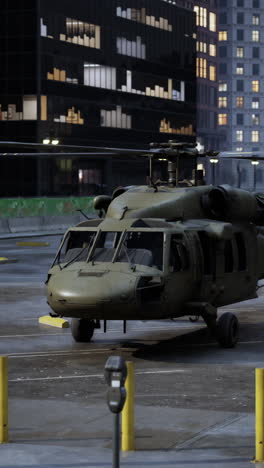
241	73
206	69
115	71
241	89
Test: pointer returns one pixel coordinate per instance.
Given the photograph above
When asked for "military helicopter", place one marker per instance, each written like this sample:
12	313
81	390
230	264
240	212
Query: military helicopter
161	251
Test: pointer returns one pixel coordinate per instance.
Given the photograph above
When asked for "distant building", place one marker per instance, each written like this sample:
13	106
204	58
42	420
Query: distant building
103	73
206	69
241	88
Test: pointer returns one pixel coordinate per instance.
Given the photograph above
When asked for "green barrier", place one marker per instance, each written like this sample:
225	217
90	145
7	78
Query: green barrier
22	207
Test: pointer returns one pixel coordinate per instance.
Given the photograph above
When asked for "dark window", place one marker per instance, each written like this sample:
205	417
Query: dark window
255	69
229	257
241	251
222	68
240	34
240	3
240	18
240	119
255	3
208	249
179	257
223	18
222	51
255	52
222	3
240	85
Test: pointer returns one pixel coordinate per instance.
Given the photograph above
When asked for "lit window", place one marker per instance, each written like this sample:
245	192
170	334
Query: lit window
222	101
140	16
115	118
212	50
201	47
255	19
85	34
134	48
255	103
201	16
255	119
29	108
255	136
212	73
240	101
240	52
240	69
99	76
239	135
255	86
212	21
255	36
222	35
222	119
201	67
222	86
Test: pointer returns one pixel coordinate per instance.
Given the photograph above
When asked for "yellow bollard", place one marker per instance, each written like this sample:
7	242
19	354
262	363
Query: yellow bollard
3	399
128	431
259	408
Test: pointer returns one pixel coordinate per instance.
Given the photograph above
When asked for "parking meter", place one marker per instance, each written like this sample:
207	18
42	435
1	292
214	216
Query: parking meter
115	373
115	376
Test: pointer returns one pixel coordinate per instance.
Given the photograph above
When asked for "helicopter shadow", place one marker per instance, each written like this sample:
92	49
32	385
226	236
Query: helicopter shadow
184	347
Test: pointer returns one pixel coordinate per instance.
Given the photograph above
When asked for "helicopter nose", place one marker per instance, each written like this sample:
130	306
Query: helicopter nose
86	290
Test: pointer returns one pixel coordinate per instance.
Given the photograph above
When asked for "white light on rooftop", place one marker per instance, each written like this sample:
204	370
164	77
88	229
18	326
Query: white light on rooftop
214	161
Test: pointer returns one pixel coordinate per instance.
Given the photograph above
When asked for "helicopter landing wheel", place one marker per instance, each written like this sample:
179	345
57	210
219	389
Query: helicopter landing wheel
227	330
82	330
195	318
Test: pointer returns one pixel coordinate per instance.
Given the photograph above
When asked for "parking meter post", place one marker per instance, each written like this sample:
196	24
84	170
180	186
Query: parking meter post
116	443
115	376
128	424
3	399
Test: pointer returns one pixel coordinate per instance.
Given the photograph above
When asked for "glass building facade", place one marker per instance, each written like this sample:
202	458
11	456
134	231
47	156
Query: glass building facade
103	73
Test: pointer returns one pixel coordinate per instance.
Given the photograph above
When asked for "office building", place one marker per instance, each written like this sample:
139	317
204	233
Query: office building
103	73
241	89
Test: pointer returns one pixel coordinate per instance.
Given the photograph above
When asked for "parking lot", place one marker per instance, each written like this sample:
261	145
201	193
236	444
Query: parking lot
188	390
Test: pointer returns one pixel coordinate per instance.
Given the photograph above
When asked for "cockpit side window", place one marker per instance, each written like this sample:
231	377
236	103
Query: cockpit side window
145	248
179	257
75	247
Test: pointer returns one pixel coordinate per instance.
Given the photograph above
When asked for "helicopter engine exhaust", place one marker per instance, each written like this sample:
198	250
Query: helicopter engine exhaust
225	203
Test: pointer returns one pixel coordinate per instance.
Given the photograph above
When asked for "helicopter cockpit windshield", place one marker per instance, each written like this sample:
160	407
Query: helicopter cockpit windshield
132	247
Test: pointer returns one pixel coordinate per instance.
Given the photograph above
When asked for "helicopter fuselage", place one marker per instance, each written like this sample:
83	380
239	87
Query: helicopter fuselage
148	260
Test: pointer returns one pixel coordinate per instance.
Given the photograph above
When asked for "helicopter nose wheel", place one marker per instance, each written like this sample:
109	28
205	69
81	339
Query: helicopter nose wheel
227	330
82	330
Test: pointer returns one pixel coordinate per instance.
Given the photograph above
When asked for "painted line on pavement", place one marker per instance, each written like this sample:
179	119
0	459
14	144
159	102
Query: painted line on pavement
113	347
91	376
115	330
56	353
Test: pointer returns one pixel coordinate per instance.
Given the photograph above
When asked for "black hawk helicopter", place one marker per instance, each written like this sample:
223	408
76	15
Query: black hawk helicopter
159	251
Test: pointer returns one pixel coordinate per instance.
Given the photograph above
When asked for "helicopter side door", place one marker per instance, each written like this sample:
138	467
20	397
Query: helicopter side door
206	253
179	284
239	267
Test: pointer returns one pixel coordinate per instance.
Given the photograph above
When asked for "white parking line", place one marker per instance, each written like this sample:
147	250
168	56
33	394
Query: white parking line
57	353
91	376
114	330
